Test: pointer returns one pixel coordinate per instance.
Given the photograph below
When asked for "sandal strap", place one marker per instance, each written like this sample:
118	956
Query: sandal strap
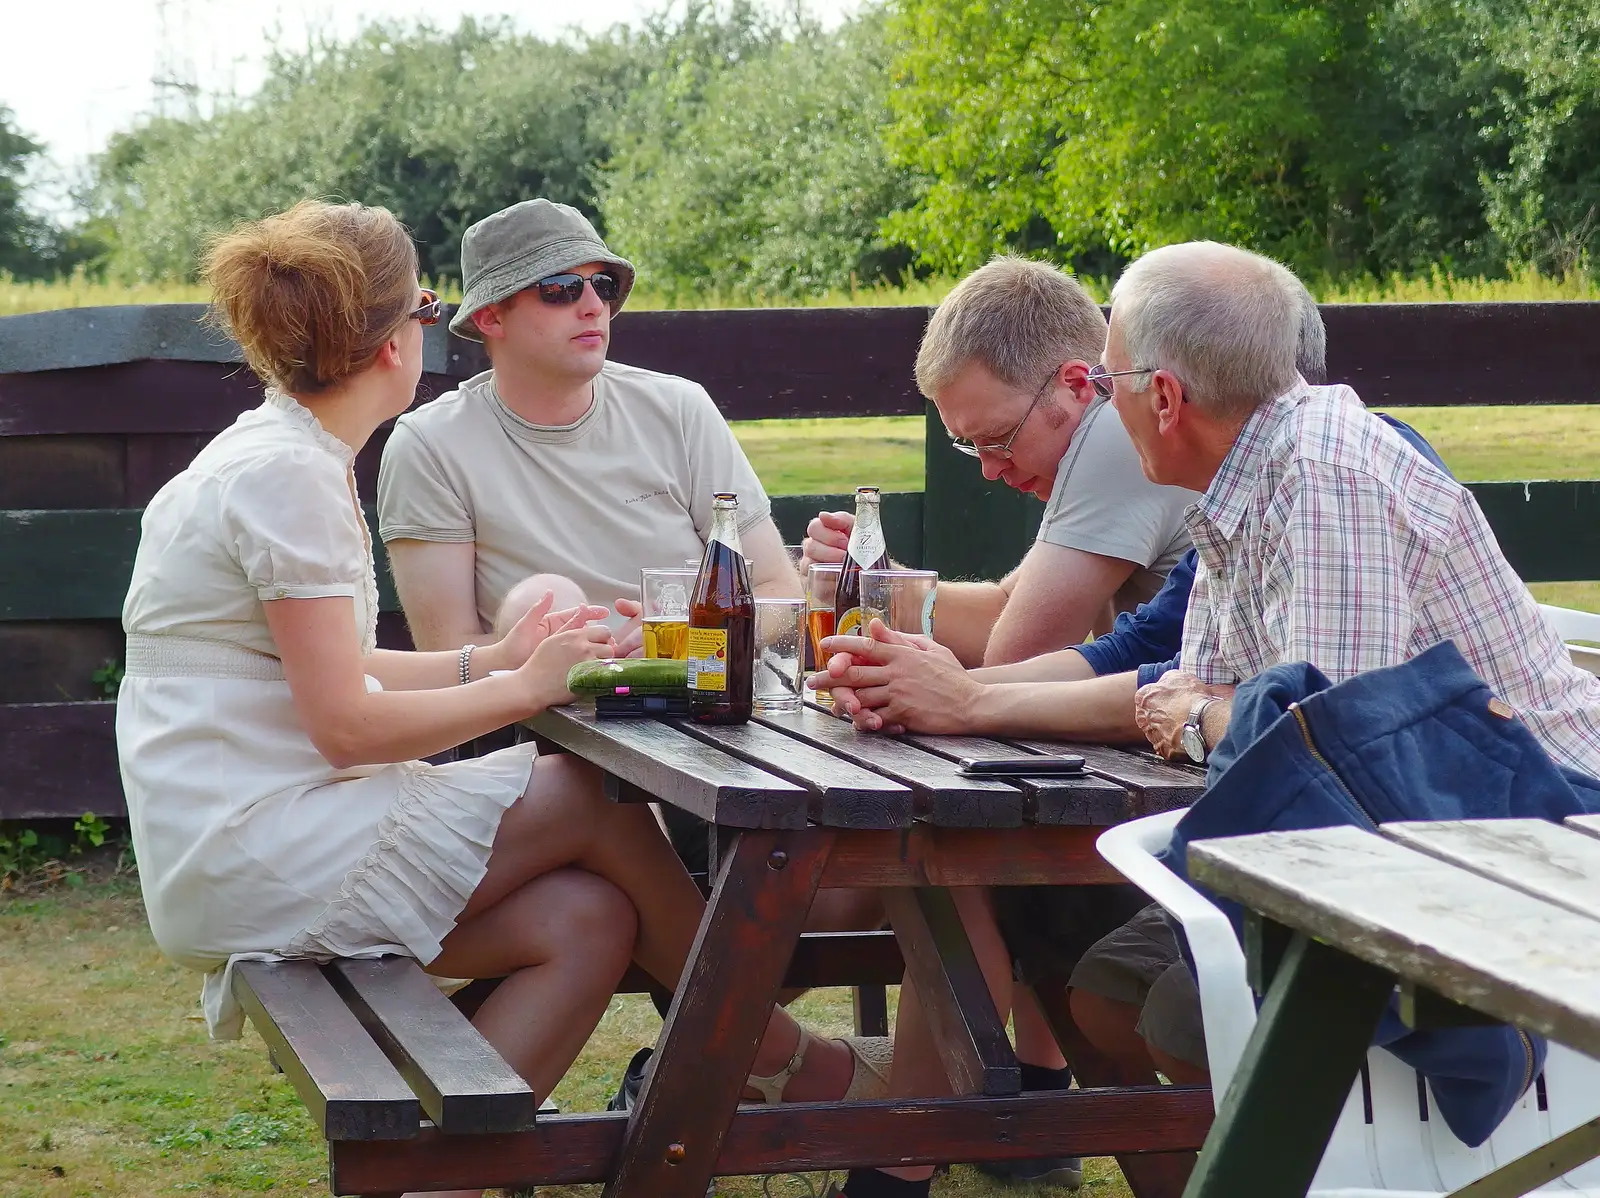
772	1086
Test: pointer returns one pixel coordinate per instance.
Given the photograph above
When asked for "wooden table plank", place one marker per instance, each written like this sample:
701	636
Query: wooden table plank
676	768
1082	800
1589	825
843	795
1156	785
942	796
465	1085
1474	941
1534	856
347	1084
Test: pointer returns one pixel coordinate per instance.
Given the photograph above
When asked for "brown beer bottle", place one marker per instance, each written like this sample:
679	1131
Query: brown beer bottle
867	551
722	624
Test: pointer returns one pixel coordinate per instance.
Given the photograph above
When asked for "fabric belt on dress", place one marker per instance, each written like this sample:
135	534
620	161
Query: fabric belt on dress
191	657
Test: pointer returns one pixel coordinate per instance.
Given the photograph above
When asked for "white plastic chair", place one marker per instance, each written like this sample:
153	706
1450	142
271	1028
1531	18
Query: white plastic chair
1571	625
1397	1153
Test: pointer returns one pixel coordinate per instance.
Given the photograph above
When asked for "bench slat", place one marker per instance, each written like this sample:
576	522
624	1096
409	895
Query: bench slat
464	1085
1474	941
1534	856
348	1085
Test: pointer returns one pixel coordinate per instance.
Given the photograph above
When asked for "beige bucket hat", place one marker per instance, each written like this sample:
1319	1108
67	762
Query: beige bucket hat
518	246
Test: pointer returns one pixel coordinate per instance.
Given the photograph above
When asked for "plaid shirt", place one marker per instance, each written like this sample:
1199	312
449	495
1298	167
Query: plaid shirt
1325	538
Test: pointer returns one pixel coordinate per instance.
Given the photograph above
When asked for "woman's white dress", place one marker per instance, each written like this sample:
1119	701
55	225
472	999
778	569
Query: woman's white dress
248	841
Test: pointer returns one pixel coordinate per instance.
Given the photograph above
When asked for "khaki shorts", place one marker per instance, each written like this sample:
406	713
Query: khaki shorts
1140	964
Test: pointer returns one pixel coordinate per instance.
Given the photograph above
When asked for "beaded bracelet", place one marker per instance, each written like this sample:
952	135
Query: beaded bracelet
466	663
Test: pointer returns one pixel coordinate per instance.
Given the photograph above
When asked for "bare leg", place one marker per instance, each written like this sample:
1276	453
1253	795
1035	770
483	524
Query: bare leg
563	941
1036	1043
563	819
1112	1027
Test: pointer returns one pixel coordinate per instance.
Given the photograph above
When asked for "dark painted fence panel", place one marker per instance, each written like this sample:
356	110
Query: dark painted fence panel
98	408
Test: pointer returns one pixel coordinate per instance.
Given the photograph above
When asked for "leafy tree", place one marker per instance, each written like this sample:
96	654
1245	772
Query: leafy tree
1341	135
27	243
442	128
1076	128
763	173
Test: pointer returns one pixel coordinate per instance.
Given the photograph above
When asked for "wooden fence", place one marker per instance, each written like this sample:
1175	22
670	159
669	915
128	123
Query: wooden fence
99	407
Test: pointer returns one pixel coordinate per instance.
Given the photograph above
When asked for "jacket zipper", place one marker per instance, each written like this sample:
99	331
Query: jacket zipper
1305	733
1311	744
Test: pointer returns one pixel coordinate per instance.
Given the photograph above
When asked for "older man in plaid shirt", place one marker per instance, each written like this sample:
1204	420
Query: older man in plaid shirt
1322	535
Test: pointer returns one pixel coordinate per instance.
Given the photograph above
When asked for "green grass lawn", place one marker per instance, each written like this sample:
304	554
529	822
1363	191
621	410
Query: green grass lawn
108	1085
807	457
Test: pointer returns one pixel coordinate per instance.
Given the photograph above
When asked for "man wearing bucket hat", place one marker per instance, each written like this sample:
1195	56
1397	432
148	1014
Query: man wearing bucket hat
555	469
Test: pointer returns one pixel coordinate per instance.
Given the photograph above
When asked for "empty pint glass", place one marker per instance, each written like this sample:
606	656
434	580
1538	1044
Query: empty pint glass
902	599
780	653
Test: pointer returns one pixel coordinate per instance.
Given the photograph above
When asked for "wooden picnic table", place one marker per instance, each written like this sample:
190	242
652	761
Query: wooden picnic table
799	802
1472	920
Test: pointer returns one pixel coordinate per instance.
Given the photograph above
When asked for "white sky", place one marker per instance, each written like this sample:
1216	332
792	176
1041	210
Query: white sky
75	71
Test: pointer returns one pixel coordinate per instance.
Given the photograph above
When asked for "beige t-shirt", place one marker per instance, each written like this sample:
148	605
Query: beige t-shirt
628	485
1102	503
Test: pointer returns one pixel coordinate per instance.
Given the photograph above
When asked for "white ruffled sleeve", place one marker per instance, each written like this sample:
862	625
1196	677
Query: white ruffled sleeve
295	528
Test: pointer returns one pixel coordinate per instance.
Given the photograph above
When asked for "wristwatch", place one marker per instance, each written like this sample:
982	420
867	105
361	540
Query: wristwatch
1194	737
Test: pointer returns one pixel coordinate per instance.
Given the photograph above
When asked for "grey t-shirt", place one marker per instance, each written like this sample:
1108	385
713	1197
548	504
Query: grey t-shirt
1102	503
628	485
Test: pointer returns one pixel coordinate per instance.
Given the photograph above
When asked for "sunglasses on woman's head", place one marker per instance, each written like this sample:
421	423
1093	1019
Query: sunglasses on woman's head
568	288
431	311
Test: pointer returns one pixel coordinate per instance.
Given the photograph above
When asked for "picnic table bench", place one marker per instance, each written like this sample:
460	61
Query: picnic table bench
411	1098
1471	921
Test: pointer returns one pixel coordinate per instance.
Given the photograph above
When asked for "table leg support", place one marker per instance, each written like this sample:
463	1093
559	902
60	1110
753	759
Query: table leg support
758	907
977	1053
1305	1053
871	1005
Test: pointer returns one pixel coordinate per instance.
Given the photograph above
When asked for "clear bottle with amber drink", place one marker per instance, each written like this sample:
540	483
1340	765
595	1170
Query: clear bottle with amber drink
722	629
867	551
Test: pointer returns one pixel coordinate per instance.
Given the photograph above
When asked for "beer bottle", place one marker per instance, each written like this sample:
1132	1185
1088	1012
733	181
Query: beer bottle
722	624
867	551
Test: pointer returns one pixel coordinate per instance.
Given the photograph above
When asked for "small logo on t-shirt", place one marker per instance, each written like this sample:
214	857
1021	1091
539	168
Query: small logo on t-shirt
646	496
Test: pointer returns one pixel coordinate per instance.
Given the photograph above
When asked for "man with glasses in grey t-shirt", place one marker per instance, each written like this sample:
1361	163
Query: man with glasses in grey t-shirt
1006	360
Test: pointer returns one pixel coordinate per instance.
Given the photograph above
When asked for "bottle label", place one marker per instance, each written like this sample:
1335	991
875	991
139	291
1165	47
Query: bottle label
708	659
850	622
866	545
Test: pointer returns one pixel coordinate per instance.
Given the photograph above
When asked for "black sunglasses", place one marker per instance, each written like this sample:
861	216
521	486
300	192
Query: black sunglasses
568	288
431	311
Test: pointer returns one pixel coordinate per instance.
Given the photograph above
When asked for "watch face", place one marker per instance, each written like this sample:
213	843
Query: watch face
1194	744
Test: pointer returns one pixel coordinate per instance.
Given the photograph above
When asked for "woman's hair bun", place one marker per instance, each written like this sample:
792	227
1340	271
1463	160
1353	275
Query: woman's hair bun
312	293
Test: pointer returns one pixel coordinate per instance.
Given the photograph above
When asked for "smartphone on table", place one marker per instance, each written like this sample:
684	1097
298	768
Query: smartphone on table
1035	765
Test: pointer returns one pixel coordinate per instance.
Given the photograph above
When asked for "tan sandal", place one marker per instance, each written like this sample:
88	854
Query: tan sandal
871	1058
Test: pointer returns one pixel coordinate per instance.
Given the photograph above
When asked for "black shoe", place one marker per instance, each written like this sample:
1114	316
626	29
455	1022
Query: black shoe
632	1082
1065	1171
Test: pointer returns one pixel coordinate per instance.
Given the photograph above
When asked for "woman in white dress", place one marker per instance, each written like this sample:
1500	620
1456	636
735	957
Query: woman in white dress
269	749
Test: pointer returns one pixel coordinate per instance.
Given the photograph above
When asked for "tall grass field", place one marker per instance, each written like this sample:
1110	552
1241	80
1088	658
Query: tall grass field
82	291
